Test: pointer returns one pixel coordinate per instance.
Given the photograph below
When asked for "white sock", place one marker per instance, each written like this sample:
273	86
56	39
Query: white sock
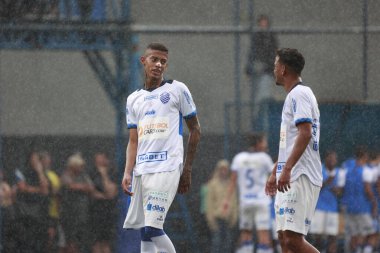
262	248
239	250
269	250
247	248
368	249
278	247
163	244
148	247
358	249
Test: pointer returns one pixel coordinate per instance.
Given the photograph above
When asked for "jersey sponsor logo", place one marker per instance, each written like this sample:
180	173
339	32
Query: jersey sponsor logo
156	208
286	210
294	105
290	220
307	222
283	136
314	128
165	97
187	96
250	196
150	97
151	112
152	157
158	196
290	198
153	128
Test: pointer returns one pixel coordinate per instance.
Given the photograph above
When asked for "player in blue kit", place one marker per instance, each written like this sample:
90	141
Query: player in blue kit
327	211
296	178
359	202
155	149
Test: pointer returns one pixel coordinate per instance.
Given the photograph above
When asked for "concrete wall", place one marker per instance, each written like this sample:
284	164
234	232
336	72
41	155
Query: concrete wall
56	92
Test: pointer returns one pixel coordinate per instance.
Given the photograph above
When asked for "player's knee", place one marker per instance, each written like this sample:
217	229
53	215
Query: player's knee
246	235
150	232
264	237
292	241
280	236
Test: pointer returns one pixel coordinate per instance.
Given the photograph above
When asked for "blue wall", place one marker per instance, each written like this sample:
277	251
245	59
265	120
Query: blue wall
343	126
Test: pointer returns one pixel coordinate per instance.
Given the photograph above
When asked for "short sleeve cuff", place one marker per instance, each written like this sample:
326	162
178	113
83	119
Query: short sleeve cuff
191	115
303	120
132	126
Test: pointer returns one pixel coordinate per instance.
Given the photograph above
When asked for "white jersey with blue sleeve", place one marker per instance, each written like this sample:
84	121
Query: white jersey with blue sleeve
158	117
252	170
300	106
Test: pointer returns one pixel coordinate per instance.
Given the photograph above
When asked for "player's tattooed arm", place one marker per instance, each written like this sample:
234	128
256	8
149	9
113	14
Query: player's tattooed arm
130	163
194	138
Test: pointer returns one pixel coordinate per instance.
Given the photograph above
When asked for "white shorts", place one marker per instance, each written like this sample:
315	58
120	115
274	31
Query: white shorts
360	224
295	208
257	216
325	223
153	195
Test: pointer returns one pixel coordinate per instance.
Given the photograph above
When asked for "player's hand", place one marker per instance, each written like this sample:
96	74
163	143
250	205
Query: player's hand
184	182
270	186
126	184
283	184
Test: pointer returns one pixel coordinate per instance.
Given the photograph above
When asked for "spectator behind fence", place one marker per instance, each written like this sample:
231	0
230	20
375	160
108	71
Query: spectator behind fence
324	232
8	218
103	212
76	192
56	238
76	9
83	10
32	205
259	66
221	221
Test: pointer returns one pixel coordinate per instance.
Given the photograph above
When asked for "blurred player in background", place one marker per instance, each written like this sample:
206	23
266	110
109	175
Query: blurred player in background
327	210
296	178
250	171
360	203
155	149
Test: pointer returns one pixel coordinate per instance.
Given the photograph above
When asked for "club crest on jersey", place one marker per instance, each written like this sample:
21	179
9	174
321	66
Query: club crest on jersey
165	97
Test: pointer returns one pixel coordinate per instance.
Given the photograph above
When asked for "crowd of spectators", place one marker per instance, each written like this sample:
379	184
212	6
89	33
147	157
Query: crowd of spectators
70	212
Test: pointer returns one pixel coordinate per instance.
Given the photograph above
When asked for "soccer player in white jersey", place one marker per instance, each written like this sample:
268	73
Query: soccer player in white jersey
250	171
155	149
296	178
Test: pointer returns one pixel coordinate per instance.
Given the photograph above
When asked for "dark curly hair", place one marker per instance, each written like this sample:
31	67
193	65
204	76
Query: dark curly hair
291	58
